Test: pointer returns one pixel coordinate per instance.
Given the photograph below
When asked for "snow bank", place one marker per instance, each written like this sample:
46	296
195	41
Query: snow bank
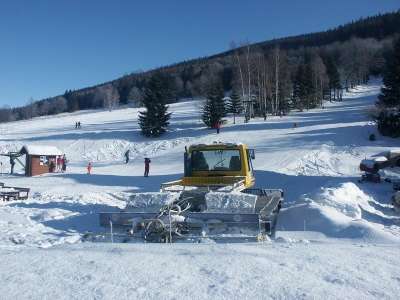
341	210
327	160
347	199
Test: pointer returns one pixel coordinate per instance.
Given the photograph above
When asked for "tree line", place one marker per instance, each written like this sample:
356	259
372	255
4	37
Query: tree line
271	77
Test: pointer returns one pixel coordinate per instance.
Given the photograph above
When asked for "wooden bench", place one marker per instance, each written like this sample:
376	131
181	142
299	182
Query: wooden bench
8	193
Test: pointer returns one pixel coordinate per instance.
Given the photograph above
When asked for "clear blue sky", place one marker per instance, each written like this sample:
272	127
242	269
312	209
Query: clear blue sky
48	46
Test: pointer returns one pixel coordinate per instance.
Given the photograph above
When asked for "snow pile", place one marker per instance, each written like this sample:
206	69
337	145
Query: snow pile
327	160
46	219
347	199
230	202
342	210
28	230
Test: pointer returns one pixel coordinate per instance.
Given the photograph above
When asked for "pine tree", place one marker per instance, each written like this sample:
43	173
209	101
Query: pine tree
389	99
154	120
214	108
235	105
390	93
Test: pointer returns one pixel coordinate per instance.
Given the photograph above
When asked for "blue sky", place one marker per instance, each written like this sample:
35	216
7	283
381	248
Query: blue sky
48	46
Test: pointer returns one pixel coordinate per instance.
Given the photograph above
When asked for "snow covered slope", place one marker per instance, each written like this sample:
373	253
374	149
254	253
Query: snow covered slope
327	216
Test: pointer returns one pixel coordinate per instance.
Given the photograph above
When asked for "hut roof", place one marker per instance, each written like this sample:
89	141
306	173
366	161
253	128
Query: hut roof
40	150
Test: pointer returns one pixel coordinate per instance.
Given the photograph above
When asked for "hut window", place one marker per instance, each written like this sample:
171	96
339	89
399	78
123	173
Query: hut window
43	160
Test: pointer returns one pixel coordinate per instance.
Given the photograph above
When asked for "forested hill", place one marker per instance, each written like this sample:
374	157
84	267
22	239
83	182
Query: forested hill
272	70
377	27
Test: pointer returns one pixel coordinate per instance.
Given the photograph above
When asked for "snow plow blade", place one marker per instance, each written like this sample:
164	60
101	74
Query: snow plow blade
194	214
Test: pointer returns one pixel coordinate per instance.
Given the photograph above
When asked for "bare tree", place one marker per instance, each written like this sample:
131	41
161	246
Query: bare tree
31	109
320	78
276	60
108	95
135	96
58	105
238	64
242	61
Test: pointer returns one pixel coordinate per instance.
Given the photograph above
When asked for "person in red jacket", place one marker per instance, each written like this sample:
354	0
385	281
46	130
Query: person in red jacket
217	126
89	168
147	162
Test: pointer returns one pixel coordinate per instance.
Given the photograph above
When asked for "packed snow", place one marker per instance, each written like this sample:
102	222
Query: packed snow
336	237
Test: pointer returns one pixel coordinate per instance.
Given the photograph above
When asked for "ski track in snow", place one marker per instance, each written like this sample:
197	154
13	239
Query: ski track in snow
336	238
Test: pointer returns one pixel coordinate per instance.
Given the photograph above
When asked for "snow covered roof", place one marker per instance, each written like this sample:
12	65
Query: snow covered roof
41	150
380	159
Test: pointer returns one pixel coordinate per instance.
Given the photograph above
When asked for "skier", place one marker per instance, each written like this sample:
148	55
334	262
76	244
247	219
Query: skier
52	166
12	163
89	168
127	156
64	163
58	163
147	162
218	126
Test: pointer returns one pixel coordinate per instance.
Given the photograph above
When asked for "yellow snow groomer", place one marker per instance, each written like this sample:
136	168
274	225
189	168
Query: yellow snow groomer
216	198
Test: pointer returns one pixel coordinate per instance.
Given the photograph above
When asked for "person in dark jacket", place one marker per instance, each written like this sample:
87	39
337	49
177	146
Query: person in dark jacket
127	156
12	163
147	162
52	166
64	163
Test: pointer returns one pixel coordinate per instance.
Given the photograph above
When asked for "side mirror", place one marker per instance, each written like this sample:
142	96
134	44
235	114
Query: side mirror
252	154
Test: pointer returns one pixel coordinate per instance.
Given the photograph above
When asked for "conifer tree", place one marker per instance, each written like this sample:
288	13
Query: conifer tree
390	93
155	119
389	99
235	105
214	108
299	88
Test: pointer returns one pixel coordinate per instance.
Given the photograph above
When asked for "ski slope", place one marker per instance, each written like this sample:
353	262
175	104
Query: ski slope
336	237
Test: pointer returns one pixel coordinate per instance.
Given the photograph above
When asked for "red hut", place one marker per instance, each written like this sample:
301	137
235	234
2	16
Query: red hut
40	159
